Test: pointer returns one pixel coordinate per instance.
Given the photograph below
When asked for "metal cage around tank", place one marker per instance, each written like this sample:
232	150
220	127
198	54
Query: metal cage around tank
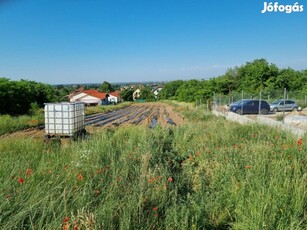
64	119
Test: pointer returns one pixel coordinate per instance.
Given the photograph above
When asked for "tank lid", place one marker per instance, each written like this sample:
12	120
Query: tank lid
63	103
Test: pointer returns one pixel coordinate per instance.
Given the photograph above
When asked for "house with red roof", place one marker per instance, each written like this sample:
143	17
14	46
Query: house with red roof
94	97
114	97
90	97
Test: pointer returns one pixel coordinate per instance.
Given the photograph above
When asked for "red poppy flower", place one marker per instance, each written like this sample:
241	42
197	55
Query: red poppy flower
66	219
155	209
21	180
79	176
300	142
248	166
66	227
170	179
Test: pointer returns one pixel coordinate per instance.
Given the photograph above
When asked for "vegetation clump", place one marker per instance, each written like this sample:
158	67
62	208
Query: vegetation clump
250	77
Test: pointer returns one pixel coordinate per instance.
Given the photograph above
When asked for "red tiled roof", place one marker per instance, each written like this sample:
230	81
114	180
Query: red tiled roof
95	93
116	93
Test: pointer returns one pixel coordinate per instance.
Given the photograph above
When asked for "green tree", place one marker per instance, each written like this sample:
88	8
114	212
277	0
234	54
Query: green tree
106	87
191	90
254	75
17	96
146	94
127	94
233	79
170	90
290	79
6	95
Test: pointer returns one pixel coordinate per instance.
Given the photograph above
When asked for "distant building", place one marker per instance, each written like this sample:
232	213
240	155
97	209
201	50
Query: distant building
114	97
136	94
94	97
156	91
90	97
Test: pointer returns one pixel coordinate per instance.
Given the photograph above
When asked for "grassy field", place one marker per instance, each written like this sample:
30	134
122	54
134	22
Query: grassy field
9	124
206	174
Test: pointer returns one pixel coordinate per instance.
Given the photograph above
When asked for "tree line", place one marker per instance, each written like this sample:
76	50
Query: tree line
19	97
250	77
25	97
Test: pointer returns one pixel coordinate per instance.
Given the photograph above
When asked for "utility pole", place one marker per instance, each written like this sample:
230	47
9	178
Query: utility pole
283	115
260	98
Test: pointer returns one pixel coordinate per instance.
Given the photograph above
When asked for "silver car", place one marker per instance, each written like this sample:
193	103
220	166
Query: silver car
281	105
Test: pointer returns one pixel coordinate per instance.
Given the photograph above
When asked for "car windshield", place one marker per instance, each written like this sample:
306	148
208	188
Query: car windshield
276	102
237	102
240	102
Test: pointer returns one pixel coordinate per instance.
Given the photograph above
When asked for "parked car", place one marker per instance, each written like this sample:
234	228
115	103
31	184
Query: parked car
282	104
249	106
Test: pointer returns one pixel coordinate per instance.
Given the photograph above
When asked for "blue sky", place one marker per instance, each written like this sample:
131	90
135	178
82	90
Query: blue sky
89	41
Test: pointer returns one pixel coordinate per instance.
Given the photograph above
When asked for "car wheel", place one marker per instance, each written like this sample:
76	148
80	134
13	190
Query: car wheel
294	109
239	111
264	111
275	110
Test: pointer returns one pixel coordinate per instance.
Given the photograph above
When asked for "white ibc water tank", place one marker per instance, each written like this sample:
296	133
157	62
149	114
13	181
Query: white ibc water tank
64	119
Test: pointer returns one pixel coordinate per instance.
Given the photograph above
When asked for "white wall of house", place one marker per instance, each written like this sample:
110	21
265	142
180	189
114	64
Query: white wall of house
136	94
114	99
77	96
157	91
87	99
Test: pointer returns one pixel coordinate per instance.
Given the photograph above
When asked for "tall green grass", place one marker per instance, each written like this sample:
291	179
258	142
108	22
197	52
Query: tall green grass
9	124
206	174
